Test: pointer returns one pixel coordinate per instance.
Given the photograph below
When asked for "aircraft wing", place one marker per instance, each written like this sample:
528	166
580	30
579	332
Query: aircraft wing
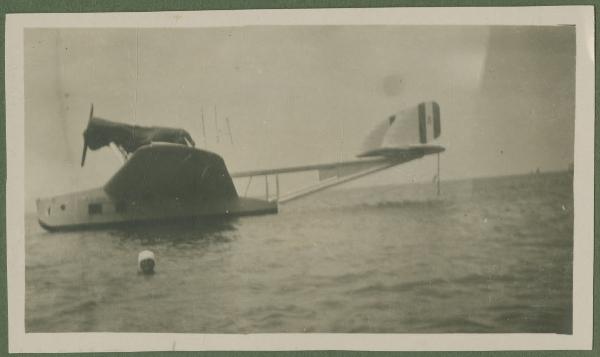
336	173
171	170
321	167
371	158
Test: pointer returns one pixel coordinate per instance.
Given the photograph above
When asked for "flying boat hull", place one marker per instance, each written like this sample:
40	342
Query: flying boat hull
96	209
160	182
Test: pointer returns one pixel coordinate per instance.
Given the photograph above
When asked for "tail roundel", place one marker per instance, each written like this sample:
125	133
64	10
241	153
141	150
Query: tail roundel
414	128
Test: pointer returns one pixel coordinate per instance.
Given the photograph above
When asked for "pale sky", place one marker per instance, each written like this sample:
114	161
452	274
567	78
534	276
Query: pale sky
302	95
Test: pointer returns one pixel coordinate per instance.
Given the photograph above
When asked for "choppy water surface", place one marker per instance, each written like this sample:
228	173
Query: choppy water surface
489	255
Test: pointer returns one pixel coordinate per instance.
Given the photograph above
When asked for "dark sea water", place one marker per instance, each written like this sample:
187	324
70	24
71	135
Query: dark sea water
488	255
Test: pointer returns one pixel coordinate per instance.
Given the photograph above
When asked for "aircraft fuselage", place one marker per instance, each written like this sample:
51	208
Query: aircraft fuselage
94	209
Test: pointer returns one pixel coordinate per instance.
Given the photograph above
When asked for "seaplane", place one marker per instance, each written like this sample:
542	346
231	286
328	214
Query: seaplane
165	177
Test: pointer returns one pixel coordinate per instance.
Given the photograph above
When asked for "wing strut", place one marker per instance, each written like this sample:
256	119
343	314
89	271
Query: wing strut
248	185
277	187
333	182
266	187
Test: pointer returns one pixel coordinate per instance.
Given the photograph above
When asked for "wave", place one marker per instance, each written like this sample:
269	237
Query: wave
415	285
405	205
400	287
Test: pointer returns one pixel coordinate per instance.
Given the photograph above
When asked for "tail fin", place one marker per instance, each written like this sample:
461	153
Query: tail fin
417	126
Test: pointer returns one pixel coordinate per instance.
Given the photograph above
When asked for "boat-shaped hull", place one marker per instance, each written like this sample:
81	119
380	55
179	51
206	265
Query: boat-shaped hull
159	182
96	209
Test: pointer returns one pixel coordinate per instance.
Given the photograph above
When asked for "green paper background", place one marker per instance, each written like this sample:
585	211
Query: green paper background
75	6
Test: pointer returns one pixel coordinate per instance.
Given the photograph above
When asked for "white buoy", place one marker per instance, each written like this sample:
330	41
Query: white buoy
146	262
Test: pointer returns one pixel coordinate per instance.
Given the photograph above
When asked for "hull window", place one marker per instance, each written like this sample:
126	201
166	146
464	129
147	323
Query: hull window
94	208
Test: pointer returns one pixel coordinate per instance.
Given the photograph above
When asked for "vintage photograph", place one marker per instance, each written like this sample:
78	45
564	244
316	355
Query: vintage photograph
300	179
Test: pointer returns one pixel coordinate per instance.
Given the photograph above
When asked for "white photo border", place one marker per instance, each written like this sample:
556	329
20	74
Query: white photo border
581	339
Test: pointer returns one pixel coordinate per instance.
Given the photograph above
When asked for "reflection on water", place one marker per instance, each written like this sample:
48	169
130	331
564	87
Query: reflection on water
211	230
490	255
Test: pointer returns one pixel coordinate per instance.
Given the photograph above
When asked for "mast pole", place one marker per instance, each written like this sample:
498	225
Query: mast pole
438	174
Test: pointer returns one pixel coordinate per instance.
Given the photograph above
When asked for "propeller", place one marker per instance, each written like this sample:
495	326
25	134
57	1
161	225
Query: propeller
85	146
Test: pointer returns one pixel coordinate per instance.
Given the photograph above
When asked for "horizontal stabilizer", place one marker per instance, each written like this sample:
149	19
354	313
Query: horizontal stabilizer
414	151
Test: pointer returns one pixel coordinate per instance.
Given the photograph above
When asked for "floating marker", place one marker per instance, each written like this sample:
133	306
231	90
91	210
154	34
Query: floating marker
146	262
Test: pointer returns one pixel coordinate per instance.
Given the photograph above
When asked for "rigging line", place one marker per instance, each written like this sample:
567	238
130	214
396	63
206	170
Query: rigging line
216	123
203	127
229	129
